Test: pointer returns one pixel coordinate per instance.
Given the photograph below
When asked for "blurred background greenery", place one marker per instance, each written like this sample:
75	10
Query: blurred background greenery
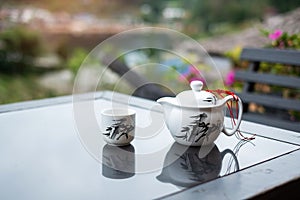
43	43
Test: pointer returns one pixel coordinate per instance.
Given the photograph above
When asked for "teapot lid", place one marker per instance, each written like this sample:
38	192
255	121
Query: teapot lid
196	97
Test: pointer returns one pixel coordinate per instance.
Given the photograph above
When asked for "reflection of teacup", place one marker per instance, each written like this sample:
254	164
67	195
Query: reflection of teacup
192	165
118	162
118	126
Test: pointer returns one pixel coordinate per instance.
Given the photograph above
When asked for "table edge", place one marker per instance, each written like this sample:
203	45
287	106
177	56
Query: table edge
263	180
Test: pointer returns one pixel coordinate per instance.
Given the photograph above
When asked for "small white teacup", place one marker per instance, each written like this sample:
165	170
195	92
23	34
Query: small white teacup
118	126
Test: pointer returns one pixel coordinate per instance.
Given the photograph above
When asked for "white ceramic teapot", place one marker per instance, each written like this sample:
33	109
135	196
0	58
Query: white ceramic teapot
196	117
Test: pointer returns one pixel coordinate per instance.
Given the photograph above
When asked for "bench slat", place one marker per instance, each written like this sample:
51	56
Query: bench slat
256	56
284	81
271	101
291	57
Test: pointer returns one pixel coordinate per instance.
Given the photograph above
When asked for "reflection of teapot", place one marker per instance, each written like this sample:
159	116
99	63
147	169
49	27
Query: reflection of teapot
118	162
188	166
196	117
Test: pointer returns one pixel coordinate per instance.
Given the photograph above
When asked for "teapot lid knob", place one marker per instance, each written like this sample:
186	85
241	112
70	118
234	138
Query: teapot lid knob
196	86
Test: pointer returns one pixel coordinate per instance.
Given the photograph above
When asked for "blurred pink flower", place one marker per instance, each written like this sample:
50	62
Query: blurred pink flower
229	80
275	35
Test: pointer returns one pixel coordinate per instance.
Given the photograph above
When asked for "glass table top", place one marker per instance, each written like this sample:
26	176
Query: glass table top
45	154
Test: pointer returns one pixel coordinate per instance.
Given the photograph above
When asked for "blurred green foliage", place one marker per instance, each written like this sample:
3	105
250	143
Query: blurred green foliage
284	6
202	16
18	48
76	58
21	88
152	10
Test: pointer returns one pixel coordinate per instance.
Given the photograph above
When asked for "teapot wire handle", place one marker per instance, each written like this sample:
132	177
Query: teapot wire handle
230	132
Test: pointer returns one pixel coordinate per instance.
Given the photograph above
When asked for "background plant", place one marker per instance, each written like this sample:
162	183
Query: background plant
19	46
282	40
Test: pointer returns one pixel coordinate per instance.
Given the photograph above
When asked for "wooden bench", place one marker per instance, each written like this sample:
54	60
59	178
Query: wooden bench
274	108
